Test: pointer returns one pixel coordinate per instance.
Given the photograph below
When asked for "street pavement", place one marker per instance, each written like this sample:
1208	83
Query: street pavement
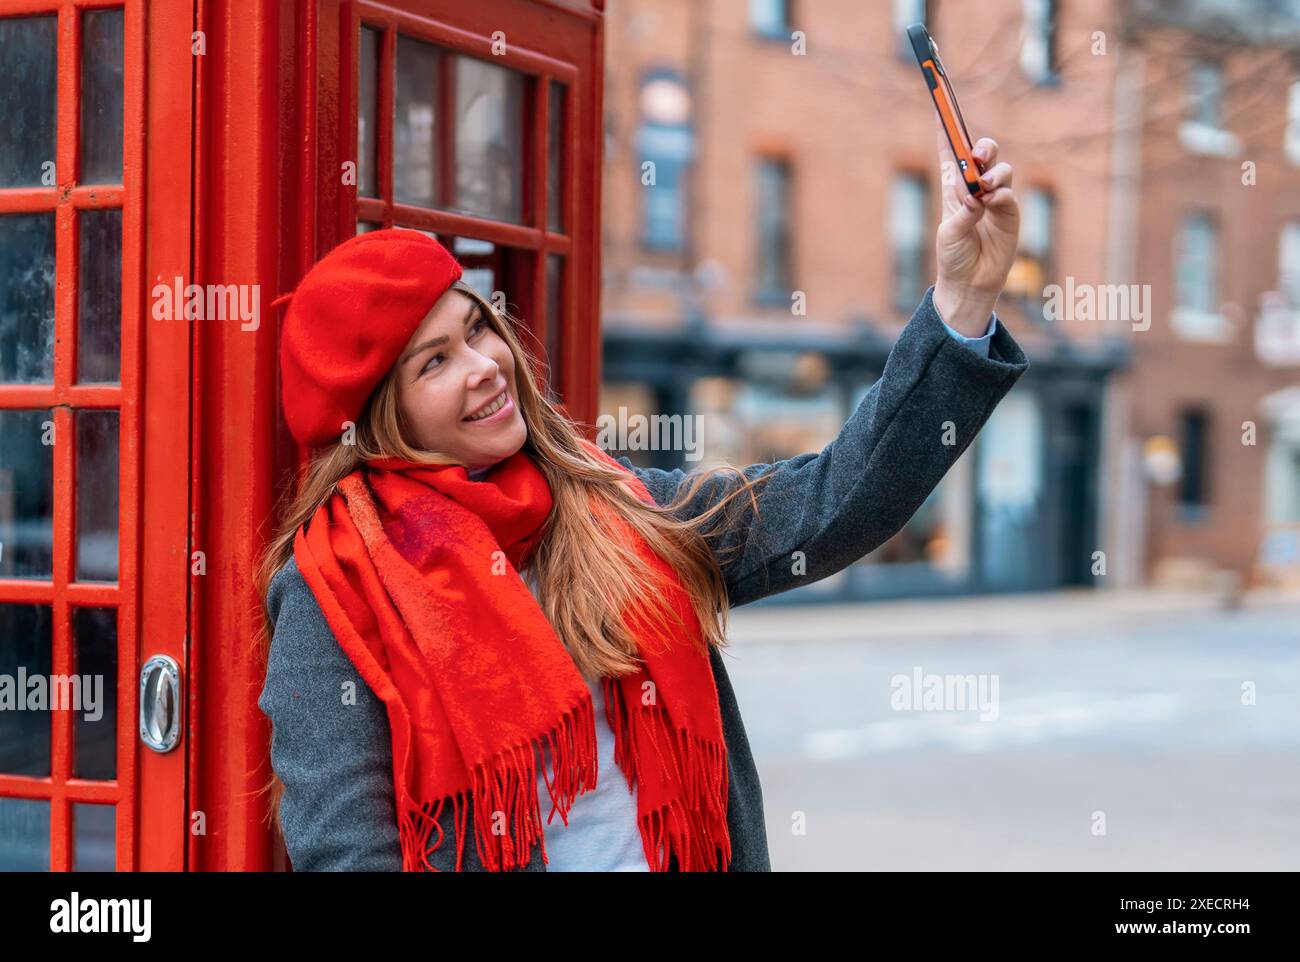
1119	736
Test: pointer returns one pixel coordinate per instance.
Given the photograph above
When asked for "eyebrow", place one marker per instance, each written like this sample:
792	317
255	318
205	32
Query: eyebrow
435	342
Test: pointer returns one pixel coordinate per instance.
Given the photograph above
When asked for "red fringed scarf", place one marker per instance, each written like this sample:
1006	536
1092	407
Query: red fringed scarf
416	570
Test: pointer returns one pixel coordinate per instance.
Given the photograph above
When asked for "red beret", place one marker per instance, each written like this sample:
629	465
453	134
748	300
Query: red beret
348	322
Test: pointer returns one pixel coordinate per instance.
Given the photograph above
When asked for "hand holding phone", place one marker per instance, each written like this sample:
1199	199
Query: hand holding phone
976	242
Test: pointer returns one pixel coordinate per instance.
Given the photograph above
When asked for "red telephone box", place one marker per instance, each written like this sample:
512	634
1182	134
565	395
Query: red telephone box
169	149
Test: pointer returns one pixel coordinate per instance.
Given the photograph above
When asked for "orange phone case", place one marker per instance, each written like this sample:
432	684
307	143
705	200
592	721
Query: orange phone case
945	101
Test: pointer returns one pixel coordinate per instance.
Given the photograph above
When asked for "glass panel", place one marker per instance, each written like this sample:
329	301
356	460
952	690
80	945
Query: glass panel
769	17
28	71
24	835
367	112
26	494
27	298
554	320
1009	490
1195	278
554	151
489	140
472	245
101	96
773	230
414	152
365	226
94	632
97	495
1288	271
907	220
96	838
99	296
26	657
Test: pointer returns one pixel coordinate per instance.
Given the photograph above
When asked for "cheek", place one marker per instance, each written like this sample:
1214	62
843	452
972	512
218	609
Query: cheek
426	409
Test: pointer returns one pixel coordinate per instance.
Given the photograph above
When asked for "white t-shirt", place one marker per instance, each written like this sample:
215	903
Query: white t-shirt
602	834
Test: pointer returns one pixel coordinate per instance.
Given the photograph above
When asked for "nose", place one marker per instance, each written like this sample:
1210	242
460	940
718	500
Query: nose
482	368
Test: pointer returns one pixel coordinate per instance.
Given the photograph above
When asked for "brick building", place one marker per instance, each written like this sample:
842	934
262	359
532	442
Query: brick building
766	157
812	168
1215	210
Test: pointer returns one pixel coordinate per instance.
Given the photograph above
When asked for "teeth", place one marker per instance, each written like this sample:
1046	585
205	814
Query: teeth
490	409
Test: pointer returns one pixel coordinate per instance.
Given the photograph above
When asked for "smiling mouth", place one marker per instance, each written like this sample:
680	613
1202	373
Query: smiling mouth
489	409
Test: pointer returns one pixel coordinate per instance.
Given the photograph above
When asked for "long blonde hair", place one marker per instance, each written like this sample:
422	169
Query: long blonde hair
585	575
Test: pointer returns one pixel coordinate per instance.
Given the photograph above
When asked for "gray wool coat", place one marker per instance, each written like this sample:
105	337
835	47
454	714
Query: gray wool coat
338	811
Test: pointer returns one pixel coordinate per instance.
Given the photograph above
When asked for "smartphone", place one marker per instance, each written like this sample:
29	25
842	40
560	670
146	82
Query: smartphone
945	101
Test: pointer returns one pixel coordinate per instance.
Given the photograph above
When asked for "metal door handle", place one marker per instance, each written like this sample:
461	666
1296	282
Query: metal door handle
160	703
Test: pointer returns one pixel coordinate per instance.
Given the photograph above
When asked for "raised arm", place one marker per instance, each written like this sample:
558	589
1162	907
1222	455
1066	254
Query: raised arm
335	759
839	505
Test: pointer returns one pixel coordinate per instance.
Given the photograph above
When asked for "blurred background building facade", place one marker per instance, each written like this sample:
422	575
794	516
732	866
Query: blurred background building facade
771	185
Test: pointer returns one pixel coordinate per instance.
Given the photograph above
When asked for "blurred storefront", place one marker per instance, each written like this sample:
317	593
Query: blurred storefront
1018	511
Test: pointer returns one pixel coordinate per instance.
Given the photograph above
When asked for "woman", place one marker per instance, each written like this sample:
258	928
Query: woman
475	609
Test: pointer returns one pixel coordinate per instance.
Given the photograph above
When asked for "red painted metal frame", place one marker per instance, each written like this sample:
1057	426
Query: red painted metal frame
65	397
276	119
241	169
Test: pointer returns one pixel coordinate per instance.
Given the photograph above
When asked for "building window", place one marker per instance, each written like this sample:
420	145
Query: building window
1033	265
1288	270
1205	94
772	278
665	139
1032	268
1293	123
1193	488
1202	129
906	13
770	18
1196	313
1038	44
1277	326
908	225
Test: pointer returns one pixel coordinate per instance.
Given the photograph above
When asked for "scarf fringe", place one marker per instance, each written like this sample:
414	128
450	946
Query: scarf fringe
694	827
508	783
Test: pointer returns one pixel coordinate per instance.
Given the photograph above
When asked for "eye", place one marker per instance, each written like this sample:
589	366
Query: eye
480	324
429	367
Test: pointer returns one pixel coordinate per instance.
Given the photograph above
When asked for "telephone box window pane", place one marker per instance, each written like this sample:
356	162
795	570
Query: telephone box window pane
555	151
97	462
414	152
28	71
554	320
101	96
99	297
94	632
489	140
367	112
24	835
96	838
366	226
27	298
26	494
26	657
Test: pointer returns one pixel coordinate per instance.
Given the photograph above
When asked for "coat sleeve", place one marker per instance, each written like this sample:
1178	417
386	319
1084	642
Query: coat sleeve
330	742
838	505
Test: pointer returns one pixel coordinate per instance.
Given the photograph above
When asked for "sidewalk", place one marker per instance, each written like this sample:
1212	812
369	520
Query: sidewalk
1036	614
